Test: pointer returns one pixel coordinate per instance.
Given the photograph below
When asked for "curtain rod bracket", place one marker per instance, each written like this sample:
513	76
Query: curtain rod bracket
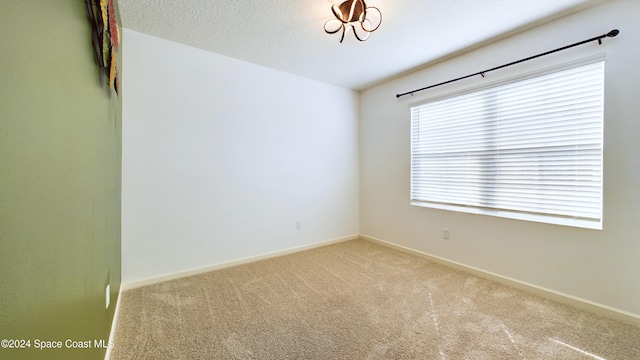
612	33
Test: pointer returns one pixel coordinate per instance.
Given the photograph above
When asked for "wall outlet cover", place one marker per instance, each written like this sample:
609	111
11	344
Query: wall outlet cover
108	295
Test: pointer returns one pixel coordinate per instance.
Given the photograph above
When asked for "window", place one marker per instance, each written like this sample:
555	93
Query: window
529	149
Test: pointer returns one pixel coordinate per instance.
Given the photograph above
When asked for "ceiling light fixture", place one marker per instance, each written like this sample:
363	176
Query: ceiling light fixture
354	14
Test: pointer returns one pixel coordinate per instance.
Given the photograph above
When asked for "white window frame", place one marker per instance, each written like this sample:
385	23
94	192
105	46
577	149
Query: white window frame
590	222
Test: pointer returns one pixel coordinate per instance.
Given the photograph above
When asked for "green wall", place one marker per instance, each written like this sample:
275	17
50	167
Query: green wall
60	181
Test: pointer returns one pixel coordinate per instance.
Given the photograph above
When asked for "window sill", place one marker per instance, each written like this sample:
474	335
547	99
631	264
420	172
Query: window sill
541	218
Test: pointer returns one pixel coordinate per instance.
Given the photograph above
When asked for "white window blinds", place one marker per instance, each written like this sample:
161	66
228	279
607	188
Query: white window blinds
527	149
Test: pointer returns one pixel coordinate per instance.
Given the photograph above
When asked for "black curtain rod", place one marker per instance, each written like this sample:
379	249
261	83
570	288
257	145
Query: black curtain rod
611	33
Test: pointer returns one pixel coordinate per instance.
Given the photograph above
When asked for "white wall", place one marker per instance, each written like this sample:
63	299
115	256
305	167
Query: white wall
598	266
221	158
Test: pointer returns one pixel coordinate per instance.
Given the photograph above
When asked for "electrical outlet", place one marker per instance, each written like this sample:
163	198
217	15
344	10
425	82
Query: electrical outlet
107	293
445	234
298	225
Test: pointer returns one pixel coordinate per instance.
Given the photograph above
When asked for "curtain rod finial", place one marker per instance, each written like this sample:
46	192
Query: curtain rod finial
613	33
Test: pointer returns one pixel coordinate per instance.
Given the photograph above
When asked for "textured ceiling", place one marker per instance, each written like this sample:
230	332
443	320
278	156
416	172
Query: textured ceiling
288	35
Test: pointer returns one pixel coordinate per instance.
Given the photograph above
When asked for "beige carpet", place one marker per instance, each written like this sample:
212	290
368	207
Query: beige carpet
356	300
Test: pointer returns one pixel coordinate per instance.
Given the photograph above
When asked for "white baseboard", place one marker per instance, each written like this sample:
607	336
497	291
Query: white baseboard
582	304
112	333
180	274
